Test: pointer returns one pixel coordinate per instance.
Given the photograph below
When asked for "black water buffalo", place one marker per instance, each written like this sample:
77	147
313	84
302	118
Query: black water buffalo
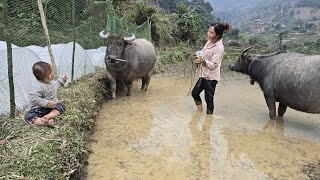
292	79
127	59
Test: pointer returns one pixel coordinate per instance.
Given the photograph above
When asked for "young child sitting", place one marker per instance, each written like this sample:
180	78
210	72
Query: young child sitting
44	104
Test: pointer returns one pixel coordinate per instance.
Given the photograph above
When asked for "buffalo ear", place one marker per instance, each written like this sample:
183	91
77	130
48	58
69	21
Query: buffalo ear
128	43
249	58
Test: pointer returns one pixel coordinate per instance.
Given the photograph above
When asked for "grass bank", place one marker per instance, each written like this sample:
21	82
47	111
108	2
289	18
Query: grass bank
30	152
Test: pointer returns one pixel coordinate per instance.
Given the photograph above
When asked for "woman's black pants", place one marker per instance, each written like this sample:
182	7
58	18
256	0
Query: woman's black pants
209	87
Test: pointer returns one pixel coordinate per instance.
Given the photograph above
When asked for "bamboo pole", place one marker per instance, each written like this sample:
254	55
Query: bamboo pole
46	32
74	39
7	35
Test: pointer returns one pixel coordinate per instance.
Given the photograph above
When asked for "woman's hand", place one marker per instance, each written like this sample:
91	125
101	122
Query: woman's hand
199	59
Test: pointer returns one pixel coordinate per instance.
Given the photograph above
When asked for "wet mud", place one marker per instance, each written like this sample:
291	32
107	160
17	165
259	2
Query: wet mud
158	134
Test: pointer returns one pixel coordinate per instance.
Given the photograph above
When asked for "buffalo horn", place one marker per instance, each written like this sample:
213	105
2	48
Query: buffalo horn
129	39
103	36
268	55
246	50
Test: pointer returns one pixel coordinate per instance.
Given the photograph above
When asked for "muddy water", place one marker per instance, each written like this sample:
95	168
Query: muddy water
158	134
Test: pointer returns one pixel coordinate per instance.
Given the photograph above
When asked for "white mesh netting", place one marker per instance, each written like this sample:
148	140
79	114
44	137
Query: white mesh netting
97	56
24	58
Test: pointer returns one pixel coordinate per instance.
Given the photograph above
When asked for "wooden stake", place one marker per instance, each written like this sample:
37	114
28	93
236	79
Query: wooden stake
46	32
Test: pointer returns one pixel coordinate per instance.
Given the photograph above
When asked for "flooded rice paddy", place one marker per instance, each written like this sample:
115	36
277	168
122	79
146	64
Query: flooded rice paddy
158	134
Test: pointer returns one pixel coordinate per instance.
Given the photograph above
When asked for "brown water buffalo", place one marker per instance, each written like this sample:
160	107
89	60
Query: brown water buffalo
292	79
127	59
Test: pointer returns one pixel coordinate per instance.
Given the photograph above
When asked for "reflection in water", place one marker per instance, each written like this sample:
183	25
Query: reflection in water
200	150
158	134
273	153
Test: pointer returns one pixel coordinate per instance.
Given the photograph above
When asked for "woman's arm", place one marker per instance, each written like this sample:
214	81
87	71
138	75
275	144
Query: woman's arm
215	59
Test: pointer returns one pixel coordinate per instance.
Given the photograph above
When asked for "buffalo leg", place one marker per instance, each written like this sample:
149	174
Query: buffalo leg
281	109
113	84
129	86
148	77
143	85
271	102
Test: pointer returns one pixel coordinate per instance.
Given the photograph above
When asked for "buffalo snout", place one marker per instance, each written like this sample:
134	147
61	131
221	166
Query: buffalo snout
112	57
231	67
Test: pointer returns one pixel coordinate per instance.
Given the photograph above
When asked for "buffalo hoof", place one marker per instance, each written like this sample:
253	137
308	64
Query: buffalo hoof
209	112
272	116
280	117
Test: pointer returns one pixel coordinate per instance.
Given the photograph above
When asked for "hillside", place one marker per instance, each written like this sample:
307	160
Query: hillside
258	16
230	10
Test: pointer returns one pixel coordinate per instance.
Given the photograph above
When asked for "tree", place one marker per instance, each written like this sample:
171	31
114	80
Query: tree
318	43
234	33
278	26
172	5
291	13
310	26
143	13
204	9
163	31
189	24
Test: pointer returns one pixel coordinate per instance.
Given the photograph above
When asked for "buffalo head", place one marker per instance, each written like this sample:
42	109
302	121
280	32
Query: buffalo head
115	46
243	62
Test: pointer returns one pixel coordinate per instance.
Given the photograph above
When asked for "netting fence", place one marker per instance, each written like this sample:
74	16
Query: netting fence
73	26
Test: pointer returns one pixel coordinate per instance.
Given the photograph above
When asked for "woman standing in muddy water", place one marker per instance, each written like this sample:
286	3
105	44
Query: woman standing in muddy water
208	66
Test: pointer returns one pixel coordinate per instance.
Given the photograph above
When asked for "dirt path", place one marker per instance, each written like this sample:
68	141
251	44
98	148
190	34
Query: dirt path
158	134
